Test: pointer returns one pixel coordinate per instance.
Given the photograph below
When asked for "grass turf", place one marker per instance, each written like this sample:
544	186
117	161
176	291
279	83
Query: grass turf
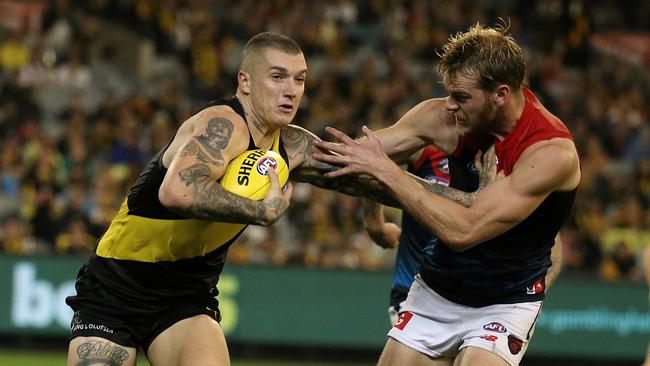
48	358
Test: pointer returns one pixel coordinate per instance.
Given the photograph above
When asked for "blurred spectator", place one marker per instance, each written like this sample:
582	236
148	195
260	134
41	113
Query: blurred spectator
76	239
14	53
79	117
15	238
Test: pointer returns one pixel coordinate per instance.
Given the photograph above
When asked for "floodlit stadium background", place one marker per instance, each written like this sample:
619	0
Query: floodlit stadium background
90	90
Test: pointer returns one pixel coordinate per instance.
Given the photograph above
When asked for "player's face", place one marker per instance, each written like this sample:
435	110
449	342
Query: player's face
277	86
471	107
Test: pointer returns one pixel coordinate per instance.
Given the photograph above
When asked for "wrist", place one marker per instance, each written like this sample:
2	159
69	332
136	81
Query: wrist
388	172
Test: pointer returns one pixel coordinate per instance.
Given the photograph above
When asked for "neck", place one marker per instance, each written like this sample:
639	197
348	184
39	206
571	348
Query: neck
262	134
510	115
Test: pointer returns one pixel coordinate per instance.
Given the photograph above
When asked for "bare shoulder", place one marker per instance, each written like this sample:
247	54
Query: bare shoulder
554	162
427	109
432	123
214	127
218	117
297	143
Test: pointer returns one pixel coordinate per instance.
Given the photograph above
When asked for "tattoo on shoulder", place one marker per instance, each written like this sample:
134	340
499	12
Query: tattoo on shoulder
298	144
193	149
101	353
197	173
216	137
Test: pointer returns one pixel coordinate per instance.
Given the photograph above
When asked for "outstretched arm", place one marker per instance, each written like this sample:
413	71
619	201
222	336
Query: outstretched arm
298	143
199	155
301	150
544	167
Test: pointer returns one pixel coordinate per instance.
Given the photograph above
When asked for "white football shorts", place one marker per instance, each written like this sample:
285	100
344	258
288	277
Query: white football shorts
438	327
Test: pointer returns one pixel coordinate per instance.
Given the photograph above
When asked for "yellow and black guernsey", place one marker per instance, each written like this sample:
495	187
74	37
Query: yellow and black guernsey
152	254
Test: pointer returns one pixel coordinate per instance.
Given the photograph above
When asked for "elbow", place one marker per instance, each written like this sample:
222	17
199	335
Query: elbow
458	242
372	227
173	200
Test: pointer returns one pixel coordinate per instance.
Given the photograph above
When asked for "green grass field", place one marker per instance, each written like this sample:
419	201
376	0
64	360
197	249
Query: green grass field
43	358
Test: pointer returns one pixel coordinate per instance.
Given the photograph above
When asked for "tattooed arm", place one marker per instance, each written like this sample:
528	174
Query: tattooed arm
198	157
486	165
298	143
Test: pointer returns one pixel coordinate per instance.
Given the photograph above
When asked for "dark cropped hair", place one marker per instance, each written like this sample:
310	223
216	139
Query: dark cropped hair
261	41
490	55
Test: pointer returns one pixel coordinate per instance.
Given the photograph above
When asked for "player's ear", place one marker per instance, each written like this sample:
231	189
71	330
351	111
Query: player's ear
244	81
501	94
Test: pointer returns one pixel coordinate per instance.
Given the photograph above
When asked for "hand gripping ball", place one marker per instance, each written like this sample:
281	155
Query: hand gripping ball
246	175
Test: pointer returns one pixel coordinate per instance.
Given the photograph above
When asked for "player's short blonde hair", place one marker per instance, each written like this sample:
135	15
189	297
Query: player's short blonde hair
490	55
254	48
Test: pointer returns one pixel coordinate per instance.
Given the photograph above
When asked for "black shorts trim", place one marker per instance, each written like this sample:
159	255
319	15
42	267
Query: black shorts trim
129	322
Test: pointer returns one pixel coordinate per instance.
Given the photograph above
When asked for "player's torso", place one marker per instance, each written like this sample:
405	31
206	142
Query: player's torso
435	166
146	242
511	267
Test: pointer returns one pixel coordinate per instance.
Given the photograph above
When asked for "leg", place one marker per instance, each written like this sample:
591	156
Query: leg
84	351
396	353
198	340
474	356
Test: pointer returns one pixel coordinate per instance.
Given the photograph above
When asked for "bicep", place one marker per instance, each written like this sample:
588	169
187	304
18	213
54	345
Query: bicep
206	151
508	201
501	206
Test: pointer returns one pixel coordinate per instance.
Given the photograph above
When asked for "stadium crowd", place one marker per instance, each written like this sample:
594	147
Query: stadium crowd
88	93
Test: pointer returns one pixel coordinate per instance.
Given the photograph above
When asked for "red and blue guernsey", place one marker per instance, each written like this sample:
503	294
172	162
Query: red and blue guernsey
511	267
435	166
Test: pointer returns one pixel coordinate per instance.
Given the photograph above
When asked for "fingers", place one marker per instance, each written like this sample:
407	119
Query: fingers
369	134
326	146
339	172
336	147
273	177
328	158
339	135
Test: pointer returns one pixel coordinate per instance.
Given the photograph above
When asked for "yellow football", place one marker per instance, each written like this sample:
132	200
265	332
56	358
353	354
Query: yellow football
246	175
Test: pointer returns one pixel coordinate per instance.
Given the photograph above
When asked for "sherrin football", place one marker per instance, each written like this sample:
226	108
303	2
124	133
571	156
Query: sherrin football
246	175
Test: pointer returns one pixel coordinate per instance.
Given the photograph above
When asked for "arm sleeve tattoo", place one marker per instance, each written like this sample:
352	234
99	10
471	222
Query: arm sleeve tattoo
208	200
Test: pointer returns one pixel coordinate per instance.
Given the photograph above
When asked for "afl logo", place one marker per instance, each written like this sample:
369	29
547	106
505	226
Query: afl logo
443	165
495	327
265	164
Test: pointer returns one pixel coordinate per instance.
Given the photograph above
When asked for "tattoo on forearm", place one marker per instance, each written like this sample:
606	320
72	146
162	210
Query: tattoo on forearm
209	200
464	198
101	353
216	137
278	204
208	194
